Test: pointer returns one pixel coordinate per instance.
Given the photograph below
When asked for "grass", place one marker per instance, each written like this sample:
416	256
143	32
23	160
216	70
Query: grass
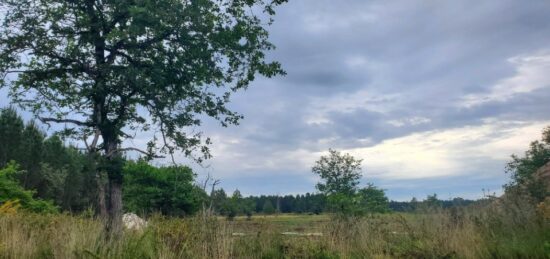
281	222
509	230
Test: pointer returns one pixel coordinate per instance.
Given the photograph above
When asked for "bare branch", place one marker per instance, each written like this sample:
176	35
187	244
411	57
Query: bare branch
84	137
170	149
206	182
96	138
137	150
76	122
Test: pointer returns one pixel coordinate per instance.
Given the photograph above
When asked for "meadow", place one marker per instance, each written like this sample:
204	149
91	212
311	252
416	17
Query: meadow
501	229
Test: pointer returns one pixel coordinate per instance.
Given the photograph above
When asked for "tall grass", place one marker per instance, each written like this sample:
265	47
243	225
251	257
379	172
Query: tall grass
503	229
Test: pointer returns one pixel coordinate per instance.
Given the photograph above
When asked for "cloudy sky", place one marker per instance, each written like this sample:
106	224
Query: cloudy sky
434	96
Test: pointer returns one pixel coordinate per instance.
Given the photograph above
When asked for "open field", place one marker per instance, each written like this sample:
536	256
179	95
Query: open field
283	222
490	233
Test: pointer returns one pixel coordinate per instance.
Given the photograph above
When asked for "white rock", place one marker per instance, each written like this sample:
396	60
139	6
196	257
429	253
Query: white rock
133	221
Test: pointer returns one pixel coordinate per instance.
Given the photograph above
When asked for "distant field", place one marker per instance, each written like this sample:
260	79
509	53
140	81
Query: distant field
281	222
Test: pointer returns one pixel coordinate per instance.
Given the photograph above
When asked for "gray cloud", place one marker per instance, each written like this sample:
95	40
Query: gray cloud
364	72
412	62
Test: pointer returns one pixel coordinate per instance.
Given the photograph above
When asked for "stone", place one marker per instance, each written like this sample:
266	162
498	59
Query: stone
133	222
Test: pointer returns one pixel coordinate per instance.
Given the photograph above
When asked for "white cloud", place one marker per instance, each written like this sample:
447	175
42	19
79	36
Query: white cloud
532	73
322	19
413	121
438	153
349	102
446	152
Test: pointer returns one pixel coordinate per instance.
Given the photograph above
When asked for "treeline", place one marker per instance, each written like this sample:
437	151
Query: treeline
236	204
431	201
44	175
44	165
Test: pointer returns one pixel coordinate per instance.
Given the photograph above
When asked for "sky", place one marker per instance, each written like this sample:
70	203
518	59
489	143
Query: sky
434	96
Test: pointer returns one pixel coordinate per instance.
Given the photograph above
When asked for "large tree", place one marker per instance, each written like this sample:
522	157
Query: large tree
109	68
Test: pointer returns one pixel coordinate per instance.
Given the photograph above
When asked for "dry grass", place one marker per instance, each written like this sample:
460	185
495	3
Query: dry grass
509	229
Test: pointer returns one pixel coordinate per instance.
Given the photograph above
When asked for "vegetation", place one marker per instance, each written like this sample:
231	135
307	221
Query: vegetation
53	171
13	194
510	230
522	169
92	65
340	174
166	190
107	69
53	223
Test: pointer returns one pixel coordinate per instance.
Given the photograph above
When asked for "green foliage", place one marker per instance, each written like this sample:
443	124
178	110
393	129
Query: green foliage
56	172
339	173
95	64
175	60
522	168
11	131
233	205
32	143
219	199
432	201
268	208
476	232
10	190
373	199
340	176
168	190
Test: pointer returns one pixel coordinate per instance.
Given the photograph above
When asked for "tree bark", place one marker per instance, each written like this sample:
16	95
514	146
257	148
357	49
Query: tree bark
114	164
115	209
101	202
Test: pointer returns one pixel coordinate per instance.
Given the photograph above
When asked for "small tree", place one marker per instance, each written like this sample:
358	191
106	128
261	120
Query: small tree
339	173
340	176
233	205
268	208
374	200
432	201
413	204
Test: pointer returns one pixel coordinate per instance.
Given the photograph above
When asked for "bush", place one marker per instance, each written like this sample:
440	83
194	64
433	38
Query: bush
11	191
168	190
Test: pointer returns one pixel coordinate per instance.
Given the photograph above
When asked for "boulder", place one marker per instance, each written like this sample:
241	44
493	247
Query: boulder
133	222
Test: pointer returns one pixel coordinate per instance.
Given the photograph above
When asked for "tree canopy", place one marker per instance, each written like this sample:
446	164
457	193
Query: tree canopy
340	173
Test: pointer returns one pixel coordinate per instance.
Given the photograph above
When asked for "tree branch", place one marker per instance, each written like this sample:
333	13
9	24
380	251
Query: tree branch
96	138
137	150
76	122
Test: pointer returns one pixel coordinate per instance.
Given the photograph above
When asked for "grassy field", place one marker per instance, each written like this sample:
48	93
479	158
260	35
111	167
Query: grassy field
511	230
302	223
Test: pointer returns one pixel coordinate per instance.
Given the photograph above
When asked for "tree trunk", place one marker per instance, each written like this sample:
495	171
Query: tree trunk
101	202
115	208
113	166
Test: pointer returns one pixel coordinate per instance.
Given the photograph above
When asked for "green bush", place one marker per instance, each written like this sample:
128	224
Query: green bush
10	190
168	190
